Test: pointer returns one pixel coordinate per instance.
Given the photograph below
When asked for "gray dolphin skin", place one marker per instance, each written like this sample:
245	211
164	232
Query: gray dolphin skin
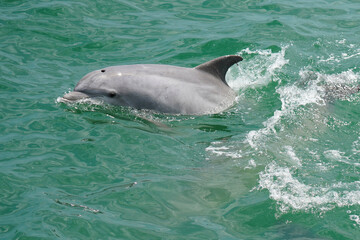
161	88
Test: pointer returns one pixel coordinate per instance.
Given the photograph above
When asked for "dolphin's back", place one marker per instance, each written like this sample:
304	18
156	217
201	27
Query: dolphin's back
168	89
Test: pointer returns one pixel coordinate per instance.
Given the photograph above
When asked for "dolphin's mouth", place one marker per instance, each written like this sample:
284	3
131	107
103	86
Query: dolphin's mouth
75	96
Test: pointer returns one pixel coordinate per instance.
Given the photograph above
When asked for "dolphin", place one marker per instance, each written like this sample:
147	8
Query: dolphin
161	88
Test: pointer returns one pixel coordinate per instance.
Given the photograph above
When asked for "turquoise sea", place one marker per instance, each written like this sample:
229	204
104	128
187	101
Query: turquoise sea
282	163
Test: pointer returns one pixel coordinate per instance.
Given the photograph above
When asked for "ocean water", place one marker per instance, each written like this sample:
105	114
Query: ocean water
282	163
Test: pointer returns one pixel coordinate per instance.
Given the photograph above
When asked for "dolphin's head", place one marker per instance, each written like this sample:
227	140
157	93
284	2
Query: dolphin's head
101	85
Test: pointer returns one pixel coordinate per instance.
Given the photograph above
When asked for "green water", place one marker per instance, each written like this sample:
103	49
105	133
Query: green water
282	163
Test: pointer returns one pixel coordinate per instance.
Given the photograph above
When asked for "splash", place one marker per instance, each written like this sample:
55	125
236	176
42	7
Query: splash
313	89
301	172
85	101
217	149
347	51
260	67
292	97
292	194
355	218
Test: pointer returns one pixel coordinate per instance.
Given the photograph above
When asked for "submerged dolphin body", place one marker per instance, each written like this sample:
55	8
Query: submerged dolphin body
162	88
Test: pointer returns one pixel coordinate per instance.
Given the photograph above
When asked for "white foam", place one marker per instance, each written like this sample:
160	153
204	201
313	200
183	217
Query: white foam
317	89
338	156
292	135
345	77
355	218
219	150
346	51
92	101
257	70
356	146
293	195
331	58
291	98
342	41
251	164
291	153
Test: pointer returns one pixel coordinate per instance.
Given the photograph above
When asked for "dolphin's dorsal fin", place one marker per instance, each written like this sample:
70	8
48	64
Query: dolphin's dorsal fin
219	66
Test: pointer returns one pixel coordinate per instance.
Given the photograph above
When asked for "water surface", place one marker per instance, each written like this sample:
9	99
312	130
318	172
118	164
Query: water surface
282	163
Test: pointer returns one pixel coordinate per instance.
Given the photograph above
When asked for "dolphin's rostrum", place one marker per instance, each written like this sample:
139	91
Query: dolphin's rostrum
162	88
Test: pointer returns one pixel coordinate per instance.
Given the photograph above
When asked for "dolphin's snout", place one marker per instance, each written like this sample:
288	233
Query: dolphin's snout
73	96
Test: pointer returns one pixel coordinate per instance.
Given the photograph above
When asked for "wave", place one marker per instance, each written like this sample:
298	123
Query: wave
260	67
305	165
292	194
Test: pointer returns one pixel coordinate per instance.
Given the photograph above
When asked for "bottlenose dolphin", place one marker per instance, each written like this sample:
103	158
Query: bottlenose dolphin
162	88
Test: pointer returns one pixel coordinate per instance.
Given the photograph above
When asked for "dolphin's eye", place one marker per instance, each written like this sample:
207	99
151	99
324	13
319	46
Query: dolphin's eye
102	70
112	94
